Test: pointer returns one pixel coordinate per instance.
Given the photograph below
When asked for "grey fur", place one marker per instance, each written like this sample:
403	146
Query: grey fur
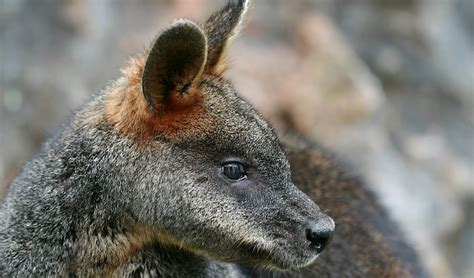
103	198
96	200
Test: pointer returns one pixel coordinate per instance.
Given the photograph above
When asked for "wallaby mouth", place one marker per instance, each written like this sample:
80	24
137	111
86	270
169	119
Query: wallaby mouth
297	249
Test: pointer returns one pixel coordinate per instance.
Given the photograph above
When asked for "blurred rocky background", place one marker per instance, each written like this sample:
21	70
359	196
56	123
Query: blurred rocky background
387	84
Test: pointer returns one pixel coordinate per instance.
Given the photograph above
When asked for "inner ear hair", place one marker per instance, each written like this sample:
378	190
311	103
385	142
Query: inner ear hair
175	62
221	28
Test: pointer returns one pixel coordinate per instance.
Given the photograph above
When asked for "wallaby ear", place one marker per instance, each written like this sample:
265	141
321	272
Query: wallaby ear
220	29
174	64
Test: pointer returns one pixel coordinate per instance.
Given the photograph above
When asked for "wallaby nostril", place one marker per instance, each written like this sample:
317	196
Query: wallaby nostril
319	237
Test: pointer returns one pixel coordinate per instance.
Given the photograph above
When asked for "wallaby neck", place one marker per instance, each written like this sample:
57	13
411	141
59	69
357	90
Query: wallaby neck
161	261
137	253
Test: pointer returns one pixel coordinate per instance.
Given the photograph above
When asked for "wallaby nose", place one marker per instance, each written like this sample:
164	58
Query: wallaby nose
319	233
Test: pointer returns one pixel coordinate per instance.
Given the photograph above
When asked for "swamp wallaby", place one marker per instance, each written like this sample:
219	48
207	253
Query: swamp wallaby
170	173
168	160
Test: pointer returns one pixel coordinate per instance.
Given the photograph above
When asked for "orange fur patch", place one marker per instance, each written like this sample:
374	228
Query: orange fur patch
182	115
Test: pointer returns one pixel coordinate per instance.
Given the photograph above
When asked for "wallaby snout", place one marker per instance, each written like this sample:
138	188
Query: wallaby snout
319	232
298	230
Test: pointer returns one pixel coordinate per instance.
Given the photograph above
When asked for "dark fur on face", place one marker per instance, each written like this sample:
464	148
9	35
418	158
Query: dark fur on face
367	243
140	167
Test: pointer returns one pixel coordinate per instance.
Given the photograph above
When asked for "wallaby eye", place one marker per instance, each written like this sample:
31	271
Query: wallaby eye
234	171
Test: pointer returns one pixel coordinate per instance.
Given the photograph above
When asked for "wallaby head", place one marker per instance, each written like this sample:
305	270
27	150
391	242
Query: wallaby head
170	153
215	180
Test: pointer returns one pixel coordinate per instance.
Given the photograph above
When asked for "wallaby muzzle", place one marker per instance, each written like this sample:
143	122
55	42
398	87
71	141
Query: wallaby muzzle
319	233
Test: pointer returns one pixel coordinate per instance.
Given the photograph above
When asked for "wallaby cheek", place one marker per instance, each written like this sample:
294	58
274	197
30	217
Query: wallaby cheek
223	223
